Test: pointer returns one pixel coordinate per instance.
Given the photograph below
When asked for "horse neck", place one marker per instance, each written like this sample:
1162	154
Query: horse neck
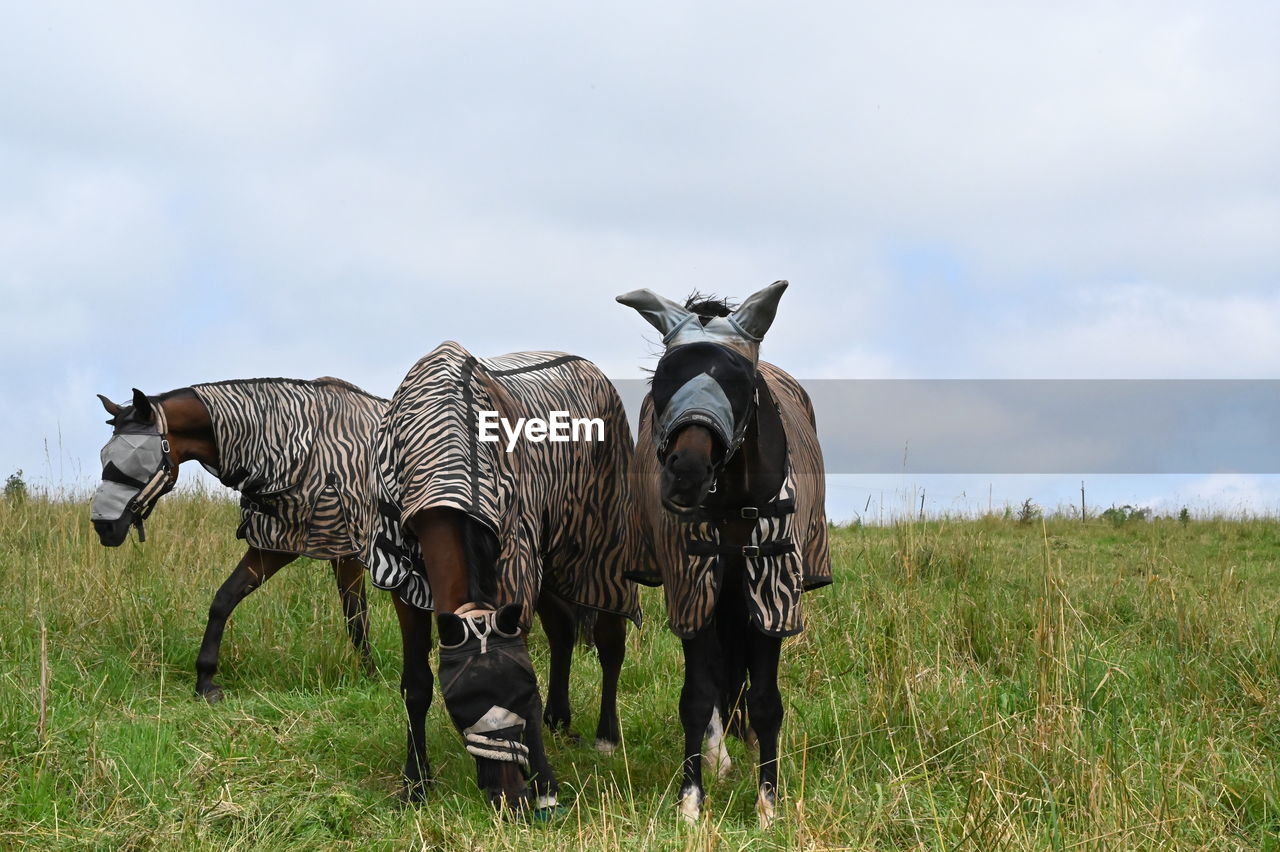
444	555
190	428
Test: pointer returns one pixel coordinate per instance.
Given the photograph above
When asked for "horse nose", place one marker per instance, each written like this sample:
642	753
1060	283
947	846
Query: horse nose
110	533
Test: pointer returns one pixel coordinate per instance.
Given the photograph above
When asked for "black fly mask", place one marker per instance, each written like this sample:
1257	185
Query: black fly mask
488	682
704	383
707	375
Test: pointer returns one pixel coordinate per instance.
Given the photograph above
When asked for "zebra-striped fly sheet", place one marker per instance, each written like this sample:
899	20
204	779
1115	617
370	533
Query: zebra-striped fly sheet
790	535
298	452
558	508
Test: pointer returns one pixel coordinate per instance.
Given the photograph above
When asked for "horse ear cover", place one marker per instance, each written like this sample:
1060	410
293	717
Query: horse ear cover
660	312
508	620
755	315
451	630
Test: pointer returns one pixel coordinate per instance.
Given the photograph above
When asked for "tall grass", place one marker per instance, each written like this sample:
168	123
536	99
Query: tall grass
965	684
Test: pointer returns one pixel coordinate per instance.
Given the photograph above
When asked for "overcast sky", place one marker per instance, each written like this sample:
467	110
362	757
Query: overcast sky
198	191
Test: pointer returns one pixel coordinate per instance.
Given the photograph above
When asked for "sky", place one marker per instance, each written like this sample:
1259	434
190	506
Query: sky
199	191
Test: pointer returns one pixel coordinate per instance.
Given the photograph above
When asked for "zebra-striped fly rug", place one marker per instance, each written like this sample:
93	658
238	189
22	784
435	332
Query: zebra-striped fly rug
298	453
558	509
790	531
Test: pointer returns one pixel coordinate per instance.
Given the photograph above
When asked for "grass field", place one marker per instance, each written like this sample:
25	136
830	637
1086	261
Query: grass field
971	684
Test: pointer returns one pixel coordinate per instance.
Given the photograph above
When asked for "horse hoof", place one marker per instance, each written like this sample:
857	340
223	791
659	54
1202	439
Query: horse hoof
765	806
566	733
690	805
414	792
606	746
212	695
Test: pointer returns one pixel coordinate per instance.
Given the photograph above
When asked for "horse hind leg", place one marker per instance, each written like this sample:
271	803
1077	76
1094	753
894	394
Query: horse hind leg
716	753
557	619
610	633
355	608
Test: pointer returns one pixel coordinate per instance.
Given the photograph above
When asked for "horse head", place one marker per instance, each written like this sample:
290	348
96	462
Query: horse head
491	693
704	385
138	467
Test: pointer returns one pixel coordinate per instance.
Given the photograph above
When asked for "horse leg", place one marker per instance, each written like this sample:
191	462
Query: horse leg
545	786
610	636
698	699
355	608
254	569
416	685
764	708
558	622
728	718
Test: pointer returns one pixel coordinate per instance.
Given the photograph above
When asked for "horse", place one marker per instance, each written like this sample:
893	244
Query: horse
296	450
484	534
730	509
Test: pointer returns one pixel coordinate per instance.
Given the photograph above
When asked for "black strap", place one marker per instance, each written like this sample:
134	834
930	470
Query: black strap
259	505
770	510
699	547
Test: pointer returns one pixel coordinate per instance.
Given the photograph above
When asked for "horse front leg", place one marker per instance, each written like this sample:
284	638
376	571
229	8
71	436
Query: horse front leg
349	574
610	636
254	569
558	623
545	785
416	687
764	710
697	702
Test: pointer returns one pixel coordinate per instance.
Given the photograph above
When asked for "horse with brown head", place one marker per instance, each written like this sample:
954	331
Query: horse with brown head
296	450
730	501
485	536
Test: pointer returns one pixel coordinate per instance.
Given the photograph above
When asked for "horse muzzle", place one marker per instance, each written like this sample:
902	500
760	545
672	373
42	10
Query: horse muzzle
113	533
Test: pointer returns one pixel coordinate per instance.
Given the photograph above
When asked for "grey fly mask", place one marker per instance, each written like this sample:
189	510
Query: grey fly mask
137	469
707	373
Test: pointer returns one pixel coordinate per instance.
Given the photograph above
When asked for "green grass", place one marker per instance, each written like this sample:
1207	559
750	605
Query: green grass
966	684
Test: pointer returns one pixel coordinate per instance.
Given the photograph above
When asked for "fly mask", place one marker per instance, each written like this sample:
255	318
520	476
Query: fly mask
707	375
488	681
137	468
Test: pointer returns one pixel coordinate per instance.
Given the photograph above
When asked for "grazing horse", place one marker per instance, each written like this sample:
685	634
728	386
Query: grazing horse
298	453
484	531
729	506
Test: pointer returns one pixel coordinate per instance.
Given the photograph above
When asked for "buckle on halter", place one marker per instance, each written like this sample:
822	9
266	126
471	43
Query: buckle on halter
750	550
749	513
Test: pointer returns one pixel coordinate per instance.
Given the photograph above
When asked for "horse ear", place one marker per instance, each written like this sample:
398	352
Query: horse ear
141	406
112	409
508	618
661	313
755	314
451	630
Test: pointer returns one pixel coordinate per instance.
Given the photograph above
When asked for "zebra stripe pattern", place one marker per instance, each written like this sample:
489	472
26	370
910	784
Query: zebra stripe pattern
691	581
558	508
298	452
